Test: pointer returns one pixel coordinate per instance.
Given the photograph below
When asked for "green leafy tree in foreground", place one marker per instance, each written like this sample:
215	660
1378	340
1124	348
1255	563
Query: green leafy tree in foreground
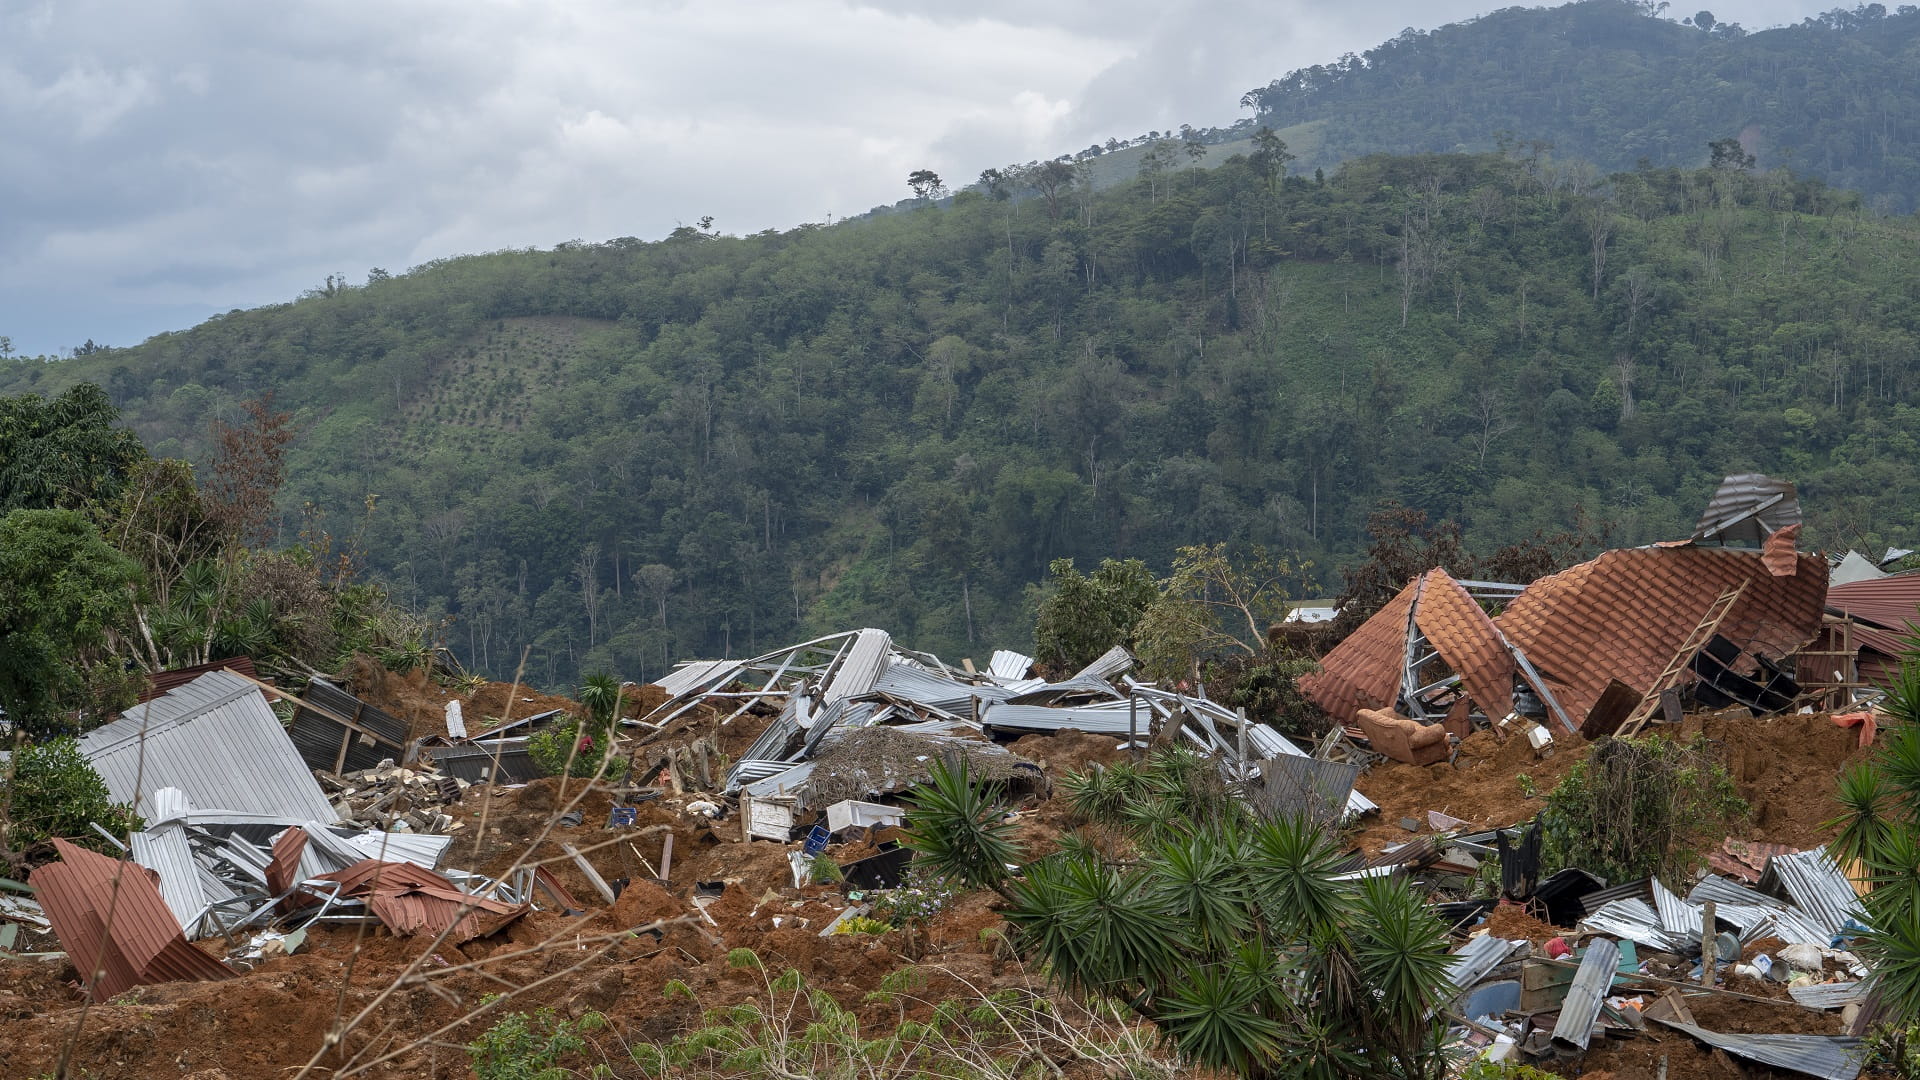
1641	806
1234	935
62	588
50	790
1084	615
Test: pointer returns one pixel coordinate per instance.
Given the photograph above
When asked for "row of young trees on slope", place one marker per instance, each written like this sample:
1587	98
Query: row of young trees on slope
618	455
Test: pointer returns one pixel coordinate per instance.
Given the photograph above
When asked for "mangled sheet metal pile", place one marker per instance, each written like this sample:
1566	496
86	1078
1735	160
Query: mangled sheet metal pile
241	844
861	717
1625	963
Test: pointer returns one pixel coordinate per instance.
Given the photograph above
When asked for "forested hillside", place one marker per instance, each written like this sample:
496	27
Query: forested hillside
1612	81
621	454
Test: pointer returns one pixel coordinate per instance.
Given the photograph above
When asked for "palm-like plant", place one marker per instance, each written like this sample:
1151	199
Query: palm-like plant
1238	937
959	830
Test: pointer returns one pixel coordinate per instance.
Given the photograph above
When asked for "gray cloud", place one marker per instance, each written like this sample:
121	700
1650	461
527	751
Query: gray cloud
171	159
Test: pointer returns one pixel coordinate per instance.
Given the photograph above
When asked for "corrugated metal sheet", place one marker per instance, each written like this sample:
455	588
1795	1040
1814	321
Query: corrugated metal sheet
164	681
1009	665
914	683
1477	957
1831	1057
1624	615
163	849
1637	921
697	675
1854	567
320	738
1292	785
1467	640
1834	995
475	762
1626	890
215	739
1747	508
1816	886
142	945
1677	917
859	668
1724	890
1588	992
1080	686
1363	671
1890	602
1094	720
1108	666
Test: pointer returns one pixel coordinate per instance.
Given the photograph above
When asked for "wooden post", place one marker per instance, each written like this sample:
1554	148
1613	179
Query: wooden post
1709	948
1133	727
666	858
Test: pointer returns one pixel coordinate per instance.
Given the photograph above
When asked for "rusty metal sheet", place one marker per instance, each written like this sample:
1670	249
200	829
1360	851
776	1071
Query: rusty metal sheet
409	899
1889	602
143	944
1624	614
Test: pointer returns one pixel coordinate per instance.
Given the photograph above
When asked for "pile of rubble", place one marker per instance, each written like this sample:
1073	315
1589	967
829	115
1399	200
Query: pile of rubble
394	797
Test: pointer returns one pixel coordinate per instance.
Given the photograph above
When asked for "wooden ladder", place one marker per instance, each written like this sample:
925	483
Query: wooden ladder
1670	677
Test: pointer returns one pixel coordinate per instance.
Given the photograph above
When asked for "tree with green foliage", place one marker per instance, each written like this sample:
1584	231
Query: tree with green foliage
1234	935
1217	601
63	589
1081	616
1639	807
65	452
48	790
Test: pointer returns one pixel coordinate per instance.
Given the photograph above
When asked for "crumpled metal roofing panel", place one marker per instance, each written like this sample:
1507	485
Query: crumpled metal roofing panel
1466	638
1624	614
1831	1057
1817	887
1747	508
144	943
856	672
1637	921
1363	671
1108	666
1677	917
912	682
215	739
1587	993
1093	720
1009	665
1834	995
1477	957
163	849
696	675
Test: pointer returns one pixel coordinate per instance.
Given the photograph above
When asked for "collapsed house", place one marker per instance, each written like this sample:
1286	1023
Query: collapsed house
1596	647
861	717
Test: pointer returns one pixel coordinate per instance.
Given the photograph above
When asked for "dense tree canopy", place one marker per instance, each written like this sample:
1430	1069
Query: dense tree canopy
617	455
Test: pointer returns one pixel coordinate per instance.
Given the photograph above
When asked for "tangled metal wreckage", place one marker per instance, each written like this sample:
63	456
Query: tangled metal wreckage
242	843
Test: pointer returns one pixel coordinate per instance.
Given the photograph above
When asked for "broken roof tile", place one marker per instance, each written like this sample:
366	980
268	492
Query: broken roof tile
1466	638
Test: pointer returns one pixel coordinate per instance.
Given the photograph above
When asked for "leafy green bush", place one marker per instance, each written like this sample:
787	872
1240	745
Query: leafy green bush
529	1046
1084	615
1641	806
559	750
50	790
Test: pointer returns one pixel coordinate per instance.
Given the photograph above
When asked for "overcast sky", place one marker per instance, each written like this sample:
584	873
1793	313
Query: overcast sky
169	159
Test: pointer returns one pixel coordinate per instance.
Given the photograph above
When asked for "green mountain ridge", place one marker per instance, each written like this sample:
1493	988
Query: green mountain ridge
1608	81
622	454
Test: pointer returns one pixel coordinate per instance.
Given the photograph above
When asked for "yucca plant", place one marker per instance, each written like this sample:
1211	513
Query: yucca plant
958	829
1238	937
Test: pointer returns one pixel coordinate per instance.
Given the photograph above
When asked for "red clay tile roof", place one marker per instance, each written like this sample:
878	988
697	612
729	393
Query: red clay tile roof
1363	672
1468	641
144	943
1623	615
